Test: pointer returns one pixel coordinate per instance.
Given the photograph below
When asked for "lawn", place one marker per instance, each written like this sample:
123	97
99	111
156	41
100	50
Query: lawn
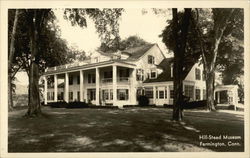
122	130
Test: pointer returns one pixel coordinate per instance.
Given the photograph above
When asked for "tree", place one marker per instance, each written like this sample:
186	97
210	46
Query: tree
175	36
130	42
38	38
210	35
180	36
52	50
106	23
11	54
200	40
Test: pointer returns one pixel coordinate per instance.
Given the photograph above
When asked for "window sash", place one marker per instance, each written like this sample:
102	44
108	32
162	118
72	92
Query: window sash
122	94
197	94
161	94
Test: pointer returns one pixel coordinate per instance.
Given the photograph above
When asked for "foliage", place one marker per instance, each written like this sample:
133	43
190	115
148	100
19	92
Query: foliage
130	42
106	22
53	50
216	36
192	50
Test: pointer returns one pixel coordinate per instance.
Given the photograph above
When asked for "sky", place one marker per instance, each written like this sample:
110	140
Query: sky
148	27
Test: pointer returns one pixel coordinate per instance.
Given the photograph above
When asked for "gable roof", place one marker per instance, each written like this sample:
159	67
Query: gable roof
166	74
136	52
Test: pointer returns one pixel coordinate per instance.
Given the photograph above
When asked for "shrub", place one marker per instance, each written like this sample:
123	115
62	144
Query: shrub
103	107
77	104
168	106
231	107
195	104
130	106
60	104
143	101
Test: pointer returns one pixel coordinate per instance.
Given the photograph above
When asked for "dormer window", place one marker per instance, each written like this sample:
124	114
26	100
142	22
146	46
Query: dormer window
151	59
96	60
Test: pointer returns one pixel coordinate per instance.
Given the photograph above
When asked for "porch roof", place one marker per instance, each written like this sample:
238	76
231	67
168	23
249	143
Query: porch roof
69	68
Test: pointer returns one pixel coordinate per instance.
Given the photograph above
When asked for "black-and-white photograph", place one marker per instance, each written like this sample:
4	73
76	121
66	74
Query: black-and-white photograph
125	79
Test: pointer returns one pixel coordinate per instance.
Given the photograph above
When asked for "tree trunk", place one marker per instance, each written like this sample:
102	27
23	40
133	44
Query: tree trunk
210	90
11	54
176	104
179	51
34	97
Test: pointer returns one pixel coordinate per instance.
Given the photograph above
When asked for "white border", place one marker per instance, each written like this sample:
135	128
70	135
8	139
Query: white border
116	4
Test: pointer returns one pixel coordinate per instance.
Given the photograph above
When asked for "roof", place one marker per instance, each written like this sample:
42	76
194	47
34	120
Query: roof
136	52
166	74
85	66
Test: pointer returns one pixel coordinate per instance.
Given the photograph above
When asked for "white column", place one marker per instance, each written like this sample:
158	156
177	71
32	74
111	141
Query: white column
133	87
218	97
97	81
168	87
235	98
45	90
66	87
81	85
55	88
114	84
154	95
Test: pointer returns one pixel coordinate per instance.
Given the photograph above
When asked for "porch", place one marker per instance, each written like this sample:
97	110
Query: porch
106	84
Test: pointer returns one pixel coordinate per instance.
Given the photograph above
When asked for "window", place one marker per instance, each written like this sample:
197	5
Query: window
139	92
123	73
189	91
70	80
108	74
140	75
197	74
153	74
122	94
71	96
203	76
166	92
91	94
78	79
161	94
78	95
149	92
105	94
151	59
91	78
171	88
60	96
156	91
50	95
197	94
204	94
111	94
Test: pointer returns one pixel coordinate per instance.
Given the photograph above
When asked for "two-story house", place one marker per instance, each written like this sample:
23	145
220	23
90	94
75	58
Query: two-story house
118	78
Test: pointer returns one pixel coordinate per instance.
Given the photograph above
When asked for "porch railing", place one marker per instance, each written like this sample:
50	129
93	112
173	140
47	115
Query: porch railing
107	80
123	79
119	79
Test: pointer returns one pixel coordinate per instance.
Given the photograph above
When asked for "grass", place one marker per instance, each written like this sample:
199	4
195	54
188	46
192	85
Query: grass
121	130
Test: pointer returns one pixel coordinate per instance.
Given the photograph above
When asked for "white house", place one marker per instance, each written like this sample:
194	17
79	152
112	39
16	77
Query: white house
118	78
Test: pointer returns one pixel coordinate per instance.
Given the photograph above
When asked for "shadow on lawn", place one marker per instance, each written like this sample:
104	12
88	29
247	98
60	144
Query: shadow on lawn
92	130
